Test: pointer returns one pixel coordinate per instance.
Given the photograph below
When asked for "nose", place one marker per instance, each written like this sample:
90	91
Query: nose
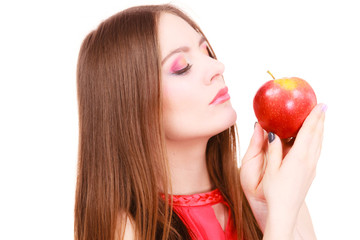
215	70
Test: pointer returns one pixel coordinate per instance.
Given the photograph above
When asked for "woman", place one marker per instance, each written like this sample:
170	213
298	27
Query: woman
157	149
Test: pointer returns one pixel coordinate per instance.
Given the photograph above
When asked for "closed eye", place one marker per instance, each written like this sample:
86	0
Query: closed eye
183	70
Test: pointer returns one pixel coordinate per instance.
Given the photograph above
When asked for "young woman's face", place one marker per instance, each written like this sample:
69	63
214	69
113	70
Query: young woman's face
195	98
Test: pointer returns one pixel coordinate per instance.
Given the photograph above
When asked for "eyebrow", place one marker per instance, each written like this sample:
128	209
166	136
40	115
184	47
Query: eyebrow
181	49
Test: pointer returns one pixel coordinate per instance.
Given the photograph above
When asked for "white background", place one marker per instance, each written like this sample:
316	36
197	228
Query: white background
315	40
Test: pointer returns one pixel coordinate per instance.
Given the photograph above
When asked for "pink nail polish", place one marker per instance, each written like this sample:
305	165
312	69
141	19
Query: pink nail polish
324	108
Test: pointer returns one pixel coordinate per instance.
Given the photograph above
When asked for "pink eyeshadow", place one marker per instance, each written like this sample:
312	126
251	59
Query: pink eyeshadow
178	64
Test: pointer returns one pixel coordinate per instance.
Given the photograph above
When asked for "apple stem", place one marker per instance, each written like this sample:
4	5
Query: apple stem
271	74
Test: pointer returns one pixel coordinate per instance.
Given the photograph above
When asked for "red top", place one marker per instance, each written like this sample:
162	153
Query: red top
197	213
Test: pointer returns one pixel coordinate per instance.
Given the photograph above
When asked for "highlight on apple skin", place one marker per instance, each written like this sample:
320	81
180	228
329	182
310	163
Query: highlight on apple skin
282	105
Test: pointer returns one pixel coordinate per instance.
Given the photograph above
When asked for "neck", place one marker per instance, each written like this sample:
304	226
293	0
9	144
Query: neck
187	162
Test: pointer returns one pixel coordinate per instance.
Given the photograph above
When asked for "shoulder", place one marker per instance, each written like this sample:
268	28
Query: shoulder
124	227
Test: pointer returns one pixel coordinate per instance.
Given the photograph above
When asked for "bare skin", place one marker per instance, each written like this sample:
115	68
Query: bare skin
275	177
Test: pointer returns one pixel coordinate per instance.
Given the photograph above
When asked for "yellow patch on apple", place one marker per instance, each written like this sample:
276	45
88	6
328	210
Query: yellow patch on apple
286	83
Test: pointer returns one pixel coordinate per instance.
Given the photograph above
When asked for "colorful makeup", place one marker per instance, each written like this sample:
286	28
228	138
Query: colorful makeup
204	49
180	65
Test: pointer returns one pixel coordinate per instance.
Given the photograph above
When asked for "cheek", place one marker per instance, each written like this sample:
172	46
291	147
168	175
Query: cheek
181	106
186	110
179	101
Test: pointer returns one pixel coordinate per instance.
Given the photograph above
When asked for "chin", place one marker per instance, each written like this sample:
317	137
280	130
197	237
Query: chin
232	117
227	120
209	125
230	114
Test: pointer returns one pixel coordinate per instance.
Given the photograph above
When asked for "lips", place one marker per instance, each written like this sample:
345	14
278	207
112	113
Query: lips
221	96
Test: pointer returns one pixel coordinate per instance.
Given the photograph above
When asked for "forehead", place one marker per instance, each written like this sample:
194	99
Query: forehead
175	32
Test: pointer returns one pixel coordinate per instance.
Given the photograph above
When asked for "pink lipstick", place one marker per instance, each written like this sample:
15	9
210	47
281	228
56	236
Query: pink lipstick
221	96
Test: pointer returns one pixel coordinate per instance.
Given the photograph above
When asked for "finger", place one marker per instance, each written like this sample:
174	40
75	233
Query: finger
287	144
253	161
256	143
274	154
311	122
318	137
309	139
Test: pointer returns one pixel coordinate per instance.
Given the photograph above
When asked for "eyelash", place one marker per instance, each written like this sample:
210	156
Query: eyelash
188	66
183	70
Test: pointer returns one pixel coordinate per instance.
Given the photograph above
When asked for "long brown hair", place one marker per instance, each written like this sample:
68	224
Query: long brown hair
122	163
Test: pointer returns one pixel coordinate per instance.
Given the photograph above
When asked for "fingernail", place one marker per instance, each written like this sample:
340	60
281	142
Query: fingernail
255	125
271	137
324	108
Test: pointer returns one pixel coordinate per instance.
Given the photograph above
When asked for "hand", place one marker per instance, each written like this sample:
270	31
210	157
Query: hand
252	171
273	182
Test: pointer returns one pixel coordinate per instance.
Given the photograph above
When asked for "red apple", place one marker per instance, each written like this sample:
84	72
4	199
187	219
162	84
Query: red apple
281	105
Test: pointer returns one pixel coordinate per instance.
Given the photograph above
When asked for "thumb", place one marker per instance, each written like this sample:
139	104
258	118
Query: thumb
253	161
275	154
256	144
